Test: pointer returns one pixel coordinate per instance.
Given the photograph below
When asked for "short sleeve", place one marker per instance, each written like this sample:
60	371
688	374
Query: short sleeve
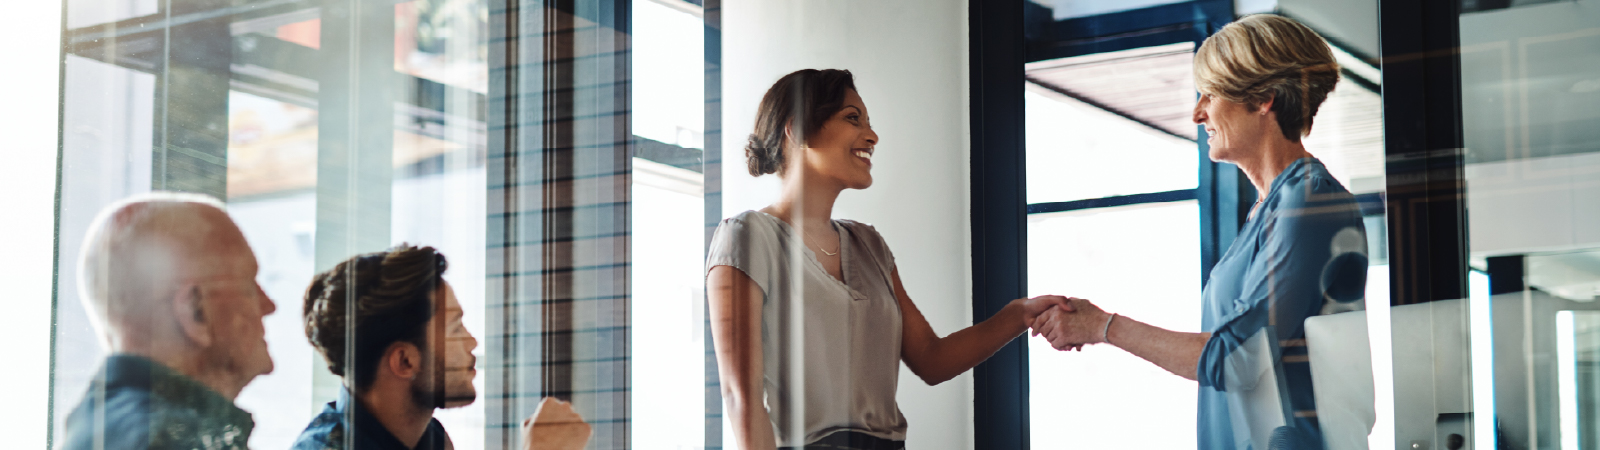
743	242
868	239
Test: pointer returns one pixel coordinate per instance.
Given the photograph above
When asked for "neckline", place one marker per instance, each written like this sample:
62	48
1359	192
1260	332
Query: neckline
811	256
1276	186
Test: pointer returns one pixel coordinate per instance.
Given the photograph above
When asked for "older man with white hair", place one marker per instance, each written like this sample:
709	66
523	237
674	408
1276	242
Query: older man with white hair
170	285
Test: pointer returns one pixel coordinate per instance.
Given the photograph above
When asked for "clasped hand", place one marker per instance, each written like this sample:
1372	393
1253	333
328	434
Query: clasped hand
1071	326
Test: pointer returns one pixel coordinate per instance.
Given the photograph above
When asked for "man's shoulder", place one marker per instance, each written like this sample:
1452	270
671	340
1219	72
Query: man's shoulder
135	419
325	432
127	416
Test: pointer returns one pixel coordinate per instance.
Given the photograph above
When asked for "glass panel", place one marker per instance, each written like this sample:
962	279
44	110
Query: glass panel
668	373
1530	102
329	130
1138	261
83	13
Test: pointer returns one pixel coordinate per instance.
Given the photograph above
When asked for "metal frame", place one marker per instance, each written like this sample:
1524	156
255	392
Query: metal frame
999	212
1423	140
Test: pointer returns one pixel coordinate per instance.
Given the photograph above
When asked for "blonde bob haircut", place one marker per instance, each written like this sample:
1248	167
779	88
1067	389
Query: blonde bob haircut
1266	57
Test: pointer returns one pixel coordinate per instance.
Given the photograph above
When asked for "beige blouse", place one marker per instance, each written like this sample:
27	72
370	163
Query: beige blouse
831	348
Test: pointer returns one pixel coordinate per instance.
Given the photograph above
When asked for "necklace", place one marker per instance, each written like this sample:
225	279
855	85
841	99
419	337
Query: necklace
819	247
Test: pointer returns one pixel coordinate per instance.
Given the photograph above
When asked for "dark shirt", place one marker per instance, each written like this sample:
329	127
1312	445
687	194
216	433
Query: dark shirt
136	403
327	430
1302	253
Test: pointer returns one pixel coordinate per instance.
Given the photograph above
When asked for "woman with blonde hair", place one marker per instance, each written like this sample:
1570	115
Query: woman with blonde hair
808	315
1301	252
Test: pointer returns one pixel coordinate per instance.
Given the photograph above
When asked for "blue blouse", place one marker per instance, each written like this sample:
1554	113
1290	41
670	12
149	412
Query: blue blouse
1301	253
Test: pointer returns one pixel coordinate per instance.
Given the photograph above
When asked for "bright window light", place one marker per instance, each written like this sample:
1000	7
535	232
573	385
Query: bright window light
1567	379
1381	341
1135	260
1482	341
668	74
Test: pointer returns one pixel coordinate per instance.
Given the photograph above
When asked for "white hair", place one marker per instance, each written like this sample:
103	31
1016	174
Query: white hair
134	252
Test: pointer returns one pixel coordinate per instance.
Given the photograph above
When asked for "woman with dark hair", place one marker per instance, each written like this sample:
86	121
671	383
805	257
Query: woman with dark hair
809	317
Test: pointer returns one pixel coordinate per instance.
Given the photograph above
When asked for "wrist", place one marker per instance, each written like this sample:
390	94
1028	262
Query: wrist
1108	321
1015	312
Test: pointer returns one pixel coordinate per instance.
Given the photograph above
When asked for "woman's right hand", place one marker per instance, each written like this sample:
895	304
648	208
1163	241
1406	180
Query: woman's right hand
1033	307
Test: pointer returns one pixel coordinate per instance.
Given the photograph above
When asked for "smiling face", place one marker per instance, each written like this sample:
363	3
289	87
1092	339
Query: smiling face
842	150
1234	131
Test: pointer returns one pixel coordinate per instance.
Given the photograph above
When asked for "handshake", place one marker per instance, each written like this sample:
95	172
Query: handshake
1069	323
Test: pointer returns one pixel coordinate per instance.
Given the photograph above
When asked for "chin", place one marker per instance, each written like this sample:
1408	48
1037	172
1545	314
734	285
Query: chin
460	399
1218	154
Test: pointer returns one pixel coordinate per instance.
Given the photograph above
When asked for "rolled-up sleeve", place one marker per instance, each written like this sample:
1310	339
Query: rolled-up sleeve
1311	251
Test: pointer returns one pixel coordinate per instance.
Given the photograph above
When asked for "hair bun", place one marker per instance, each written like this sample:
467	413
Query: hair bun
762	157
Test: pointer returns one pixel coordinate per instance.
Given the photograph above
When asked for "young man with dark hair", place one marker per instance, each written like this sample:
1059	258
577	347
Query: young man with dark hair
411	356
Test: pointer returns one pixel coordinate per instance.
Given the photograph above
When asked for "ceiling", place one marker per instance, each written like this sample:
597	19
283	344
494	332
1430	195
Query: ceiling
1153	86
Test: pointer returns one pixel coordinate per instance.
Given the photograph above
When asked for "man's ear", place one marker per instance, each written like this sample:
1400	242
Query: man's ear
188	309
403	359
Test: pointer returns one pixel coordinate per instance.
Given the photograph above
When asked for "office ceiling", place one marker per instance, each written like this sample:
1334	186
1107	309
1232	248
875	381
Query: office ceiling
1153	86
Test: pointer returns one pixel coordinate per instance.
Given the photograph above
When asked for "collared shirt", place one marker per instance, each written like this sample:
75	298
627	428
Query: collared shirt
136	403
327	430
1301	253
830	347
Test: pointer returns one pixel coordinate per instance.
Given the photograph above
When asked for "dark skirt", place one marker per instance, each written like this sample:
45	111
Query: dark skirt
851	440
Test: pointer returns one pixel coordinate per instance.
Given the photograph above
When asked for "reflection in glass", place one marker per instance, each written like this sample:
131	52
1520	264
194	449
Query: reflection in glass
1578	352
1530	101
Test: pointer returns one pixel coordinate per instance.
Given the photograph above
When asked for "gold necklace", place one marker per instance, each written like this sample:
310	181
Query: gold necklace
819	246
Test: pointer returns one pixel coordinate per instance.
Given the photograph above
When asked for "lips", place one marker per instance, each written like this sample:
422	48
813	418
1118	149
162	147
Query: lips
864	153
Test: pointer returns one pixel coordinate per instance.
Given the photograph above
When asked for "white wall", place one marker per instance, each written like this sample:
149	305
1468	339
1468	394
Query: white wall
28	182
910	63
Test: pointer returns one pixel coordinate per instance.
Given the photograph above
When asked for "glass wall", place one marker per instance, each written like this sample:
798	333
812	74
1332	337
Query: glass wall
512	137
1528	107
569	160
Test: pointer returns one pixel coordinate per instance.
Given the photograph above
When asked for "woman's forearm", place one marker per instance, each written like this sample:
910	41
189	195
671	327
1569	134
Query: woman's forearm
1177	352
959	352
752	427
